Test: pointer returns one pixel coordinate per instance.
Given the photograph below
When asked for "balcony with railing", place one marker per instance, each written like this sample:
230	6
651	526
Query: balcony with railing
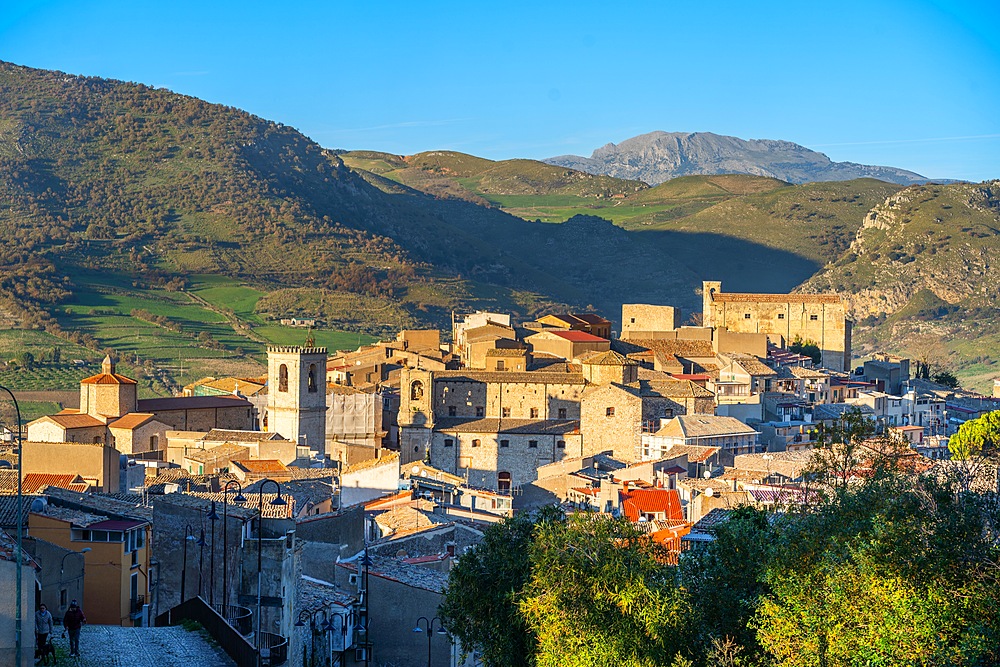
239	617
274	646
136	604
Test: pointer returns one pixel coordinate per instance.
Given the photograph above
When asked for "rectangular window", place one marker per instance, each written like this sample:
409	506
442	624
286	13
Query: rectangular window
505	412
500	365
533	413
814	317
610	412
62	598
476	443
448	442
781	316
633	320
746	316
505	443
562	413
533	444
561	444
479	411
452	411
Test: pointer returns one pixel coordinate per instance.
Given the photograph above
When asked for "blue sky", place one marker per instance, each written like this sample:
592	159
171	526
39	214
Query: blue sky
909	84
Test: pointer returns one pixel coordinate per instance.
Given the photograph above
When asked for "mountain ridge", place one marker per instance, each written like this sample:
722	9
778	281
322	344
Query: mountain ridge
658	156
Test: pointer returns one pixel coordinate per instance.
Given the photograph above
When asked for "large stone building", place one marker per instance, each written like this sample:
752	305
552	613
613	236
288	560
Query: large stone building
820	318
495	429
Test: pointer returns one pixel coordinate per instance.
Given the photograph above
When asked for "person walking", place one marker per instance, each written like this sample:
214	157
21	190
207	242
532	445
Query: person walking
73	621
43	628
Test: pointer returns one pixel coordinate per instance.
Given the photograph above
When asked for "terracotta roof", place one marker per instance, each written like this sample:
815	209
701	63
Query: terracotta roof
390	458
108	378
752	365
674	389
98	503
695	453
245	386
8	552
680	347
132	420
591	318
35	482
8	510
253	499
651	501
800	373
506	352
72	420
264	466
739	297
191	403
578	336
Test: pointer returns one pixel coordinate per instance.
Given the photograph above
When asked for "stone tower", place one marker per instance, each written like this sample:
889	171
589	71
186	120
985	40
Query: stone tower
296	394
107	395
708	288
416	413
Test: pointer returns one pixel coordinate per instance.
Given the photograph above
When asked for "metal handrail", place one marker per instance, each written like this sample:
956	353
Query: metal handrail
277	645
239	617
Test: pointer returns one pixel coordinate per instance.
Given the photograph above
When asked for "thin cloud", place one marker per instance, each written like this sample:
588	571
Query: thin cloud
909	141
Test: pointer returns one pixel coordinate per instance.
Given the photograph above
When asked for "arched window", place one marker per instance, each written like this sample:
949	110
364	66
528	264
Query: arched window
312	378
503	482
282	377
416	390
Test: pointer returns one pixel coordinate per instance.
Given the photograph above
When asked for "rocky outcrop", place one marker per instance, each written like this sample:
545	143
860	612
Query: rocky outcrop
659	156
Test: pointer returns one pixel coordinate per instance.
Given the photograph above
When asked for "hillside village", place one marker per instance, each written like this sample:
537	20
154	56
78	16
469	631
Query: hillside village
349	482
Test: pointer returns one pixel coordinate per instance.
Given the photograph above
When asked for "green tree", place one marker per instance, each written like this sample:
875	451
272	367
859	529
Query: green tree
26	360
601	595
946	378
485	588
973	446
808	348
725	581
895	572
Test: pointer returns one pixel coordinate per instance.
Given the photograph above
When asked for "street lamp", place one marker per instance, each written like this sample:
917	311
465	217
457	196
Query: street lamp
238	498
330	627
429	625
20	529
201	557
305	613
260	534
213	517
188	537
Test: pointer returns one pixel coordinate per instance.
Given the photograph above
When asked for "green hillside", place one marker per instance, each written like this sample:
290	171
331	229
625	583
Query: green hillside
920	277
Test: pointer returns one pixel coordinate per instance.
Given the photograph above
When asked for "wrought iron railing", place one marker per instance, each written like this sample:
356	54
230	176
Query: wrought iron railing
239	617
276	645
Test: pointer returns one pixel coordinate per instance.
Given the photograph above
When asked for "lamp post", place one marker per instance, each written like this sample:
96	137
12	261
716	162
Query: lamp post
188	536
260	534
343	633
213	517
305	613
238	498
430	631
20	530
62	563
201	557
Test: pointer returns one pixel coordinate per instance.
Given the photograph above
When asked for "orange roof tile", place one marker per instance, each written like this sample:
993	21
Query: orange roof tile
262	465
108	378
35	481
132	420
74	420
652	501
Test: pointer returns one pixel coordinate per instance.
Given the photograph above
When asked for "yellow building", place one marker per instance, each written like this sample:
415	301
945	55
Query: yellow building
116	569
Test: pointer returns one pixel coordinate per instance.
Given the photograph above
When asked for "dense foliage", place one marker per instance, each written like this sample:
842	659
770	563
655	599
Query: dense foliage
894	569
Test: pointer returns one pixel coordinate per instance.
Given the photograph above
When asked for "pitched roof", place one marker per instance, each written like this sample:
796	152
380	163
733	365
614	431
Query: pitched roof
743	297
680	347
36	481
214	455
636	502
609	358
108	378
388	458
674	389
245	386
8	552
190	403
506	352
254	498
8	509
97	503
70	421
702	426
800	373
591	318
261	466
132	420
232	435
752	365
531	377
577	336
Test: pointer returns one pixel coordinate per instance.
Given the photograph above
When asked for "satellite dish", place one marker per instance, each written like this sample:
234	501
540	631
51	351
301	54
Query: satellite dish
423	473
708	474
415	469
709	492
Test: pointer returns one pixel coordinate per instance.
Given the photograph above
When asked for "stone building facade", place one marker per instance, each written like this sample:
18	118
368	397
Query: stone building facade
641	320
821	318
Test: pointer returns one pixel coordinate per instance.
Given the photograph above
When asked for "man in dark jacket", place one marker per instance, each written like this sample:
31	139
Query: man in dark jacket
73	621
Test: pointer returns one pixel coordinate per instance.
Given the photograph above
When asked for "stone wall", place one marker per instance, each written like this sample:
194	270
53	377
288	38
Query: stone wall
641	317
611	419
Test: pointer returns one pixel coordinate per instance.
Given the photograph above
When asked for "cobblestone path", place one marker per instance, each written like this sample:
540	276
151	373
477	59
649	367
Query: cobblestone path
112	646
